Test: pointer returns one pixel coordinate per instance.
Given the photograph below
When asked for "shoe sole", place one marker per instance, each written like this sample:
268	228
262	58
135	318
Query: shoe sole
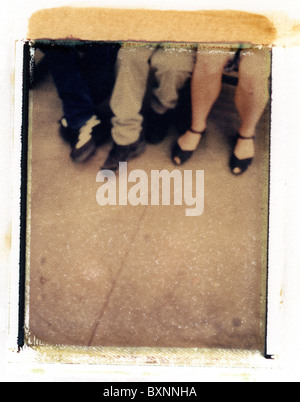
84	155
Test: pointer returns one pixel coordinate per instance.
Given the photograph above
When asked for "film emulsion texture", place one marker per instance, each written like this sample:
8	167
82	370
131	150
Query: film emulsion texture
110	264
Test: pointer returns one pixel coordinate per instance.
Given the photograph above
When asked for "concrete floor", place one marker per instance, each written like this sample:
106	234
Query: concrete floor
146	275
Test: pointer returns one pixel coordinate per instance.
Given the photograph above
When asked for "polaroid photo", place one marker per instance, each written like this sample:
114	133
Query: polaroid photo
144	249
146	191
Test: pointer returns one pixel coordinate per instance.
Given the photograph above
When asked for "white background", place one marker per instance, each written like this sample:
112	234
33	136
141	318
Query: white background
285	216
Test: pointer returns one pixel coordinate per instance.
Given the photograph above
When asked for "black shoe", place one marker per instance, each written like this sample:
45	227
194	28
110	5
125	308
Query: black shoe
82	141
66	133
123	153
239	166
180	156
156	126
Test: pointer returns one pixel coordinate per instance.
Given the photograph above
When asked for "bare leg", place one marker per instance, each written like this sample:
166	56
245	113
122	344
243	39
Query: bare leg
205	89
251	98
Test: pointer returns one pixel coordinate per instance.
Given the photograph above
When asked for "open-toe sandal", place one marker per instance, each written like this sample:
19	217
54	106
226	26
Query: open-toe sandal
180	156
235	162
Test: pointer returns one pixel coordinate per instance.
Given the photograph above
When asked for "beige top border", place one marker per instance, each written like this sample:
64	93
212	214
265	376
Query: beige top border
155	25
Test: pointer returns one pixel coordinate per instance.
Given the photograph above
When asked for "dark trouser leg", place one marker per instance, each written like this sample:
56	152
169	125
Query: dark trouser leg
77	103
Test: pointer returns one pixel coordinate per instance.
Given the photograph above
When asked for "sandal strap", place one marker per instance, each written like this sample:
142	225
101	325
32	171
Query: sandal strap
196	132
245	138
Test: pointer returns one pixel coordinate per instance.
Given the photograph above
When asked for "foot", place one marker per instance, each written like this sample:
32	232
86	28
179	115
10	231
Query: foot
82	140
243	154
185	146
123	153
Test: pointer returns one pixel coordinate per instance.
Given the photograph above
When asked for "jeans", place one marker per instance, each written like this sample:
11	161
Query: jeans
83	75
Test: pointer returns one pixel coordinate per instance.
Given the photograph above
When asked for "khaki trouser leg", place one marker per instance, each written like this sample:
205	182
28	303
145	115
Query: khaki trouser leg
172	68
131	83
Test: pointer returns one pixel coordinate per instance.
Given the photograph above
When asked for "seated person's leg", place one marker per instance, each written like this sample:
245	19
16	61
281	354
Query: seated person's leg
80	122
77	104
172	68
252	96
98	67
205	89
126	103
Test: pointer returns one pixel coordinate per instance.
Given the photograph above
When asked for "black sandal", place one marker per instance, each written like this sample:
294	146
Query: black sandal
184	156
235	162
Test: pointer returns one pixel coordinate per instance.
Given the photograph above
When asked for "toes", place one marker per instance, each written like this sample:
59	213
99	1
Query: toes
177	160
237	171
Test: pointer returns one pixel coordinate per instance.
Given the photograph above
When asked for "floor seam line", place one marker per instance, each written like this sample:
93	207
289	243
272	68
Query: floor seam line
97	322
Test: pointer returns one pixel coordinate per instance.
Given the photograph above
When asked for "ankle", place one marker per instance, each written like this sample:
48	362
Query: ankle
194	131
197	129
246	134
